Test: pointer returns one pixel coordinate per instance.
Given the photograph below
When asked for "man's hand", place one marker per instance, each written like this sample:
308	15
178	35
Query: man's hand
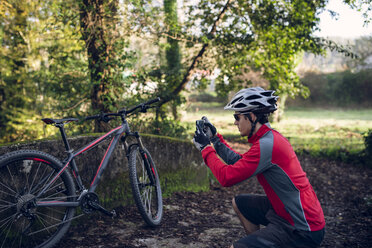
210	129
200	140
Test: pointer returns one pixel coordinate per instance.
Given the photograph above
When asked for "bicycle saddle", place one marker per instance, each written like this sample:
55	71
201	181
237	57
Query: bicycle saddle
58	121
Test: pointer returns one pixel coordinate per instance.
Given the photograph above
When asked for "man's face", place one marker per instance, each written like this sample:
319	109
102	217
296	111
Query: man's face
243	123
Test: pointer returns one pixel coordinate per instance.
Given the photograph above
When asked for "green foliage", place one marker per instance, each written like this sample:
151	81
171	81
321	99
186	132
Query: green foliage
19	93
339	89
68	58
234	36
165	127
206	97
44	67
266	37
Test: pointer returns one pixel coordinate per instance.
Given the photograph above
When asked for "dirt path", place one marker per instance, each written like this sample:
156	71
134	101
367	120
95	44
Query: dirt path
207	220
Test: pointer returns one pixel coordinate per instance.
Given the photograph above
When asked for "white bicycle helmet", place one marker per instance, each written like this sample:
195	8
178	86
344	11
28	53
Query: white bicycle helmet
255	100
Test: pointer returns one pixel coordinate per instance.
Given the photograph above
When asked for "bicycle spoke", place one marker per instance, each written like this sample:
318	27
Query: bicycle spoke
46	227
23	176
6	193
7	228
150	198
147	200
46	181
7	188
11	176
27	174
50	217
5	207
61	183
20	239
9	203
33	180
55	210
6	220
41	181
57	198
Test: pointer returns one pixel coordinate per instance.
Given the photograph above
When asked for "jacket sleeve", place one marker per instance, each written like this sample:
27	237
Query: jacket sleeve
229	175
225	151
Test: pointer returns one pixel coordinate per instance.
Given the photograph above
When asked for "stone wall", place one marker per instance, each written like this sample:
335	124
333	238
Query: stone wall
179	165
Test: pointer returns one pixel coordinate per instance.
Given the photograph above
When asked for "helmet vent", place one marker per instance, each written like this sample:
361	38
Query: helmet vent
267	93
238	99
257	104
272	101
240	105
252	97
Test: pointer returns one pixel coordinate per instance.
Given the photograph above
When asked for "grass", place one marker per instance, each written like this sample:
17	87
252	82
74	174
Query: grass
337	133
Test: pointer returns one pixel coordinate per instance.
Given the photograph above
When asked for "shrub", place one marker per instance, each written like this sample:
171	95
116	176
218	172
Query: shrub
338	89
206	97
164	127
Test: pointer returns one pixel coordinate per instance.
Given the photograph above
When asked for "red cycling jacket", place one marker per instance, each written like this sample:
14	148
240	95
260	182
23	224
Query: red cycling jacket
272	159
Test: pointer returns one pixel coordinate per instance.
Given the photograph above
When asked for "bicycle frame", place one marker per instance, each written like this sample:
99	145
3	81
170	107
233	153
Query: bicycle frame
116	134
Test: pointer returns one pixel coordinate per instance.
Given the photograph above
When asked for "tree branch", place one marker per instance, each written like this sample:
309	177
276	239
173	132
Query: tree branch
198	57
77	104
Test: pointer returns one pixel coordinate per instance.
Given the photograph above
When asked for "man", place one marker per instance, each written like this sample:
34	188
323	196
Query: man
290	210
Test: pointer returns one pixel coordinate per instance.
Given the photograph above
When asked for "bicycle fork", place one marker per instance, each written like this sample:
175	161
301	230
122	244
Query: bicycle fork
148	165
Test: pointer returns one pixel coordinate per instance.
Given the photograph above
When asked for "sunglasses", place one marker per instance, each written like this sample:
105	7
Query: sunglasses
237	116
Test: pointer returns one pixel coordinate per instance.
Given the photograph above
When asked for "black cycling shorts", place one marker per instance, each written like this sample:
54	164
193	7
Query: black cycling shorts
277	232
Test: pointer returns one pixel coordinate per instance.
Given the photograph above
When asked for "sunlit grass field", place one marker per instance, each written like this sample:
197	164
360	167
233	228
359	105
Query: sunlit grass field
323	132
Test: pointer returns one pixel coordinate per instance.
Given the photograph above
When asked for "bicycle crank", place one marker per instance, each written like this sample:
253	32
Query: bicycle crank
90	202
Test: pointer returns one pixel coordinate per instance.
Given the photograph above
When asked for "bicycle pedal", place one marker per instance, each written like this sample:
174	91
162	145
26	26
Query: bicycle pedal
98	207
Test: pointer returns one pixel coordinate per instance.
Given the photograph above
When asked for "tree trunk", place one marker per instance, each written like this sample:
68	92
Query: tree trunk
172	53
92	22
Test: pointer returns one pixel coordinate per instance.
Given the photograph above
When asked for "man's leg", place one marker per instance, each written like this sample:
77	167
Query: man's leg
249	227
251	211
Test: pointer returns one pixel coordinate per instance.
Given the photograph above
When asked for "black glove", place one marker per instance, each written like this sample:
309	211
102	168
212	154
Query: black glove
201	139
210	129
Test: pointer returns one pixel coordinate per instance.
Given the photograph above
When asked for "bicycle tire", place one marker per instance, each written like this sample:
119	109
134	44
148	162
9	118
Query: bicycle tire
23	174
147	195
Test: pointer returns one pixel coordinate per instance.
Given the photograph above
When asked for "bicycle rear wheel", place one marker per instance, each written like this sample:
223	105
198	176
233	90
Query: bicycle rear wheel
145	184
23	174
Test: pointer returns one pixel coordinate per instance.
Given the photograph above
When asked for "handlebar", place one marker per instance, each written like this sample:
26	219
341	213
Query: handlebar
143	106
123	112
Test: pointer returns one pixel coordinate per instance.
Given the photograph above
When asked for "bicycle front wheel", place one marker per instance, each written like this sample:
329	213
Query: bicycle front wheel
145	184
22	224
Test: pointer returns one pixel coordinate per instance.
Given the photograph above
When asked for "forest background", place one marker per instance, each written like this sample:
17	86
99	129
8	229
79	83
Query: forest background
76	58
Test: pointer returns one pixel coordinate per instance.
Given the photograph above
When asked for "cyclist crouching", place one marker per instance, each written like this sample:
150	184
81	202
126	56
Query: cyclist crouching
290	210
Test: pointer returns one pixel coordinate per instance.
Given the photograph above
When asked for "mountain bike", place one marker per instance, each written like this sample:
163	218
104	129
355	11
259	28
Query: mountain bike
38	195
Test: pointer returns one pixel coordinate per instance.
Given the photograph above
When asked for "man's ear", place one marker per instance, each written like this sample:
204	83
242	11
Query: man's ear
253	116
